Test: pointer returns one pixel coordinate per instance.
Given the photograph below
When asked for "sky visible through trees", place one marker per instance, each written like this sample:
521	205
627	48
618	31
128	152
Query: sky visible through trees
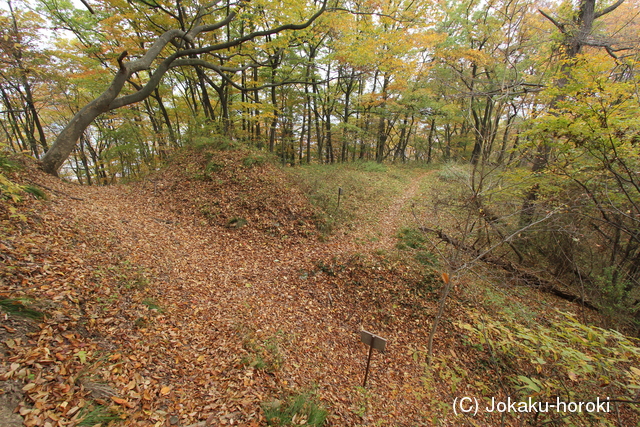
384	81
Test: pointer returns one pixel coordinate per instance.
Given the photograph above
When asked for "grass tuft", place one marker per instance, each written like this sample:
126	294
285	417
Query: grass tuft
97	415
38	193
153	305
298	410
255	159
17	307
236	222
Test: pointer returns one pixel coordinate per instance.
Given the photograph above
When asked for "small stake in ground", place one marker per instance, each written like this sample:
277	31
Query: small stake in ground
373	341
339	194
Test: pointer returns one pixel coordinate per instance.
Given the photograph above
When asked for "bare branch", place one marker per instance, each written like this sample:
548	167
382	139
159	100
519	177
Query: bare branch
248	37
559	25
84	2
222	70
609	9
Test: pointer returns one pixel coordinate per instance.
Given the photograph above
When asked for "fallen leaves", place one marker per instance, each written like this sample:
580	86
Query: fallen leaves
158	312
123	402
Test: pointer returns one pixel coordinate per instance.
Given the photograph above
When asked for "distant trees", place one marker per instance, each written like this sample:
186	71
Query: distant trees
355	80
571	194
484	79
23	70
188	50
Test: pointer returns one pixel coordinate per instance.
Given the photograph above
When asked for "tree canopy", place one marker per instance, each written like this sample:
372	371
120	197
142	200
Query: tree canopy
109	88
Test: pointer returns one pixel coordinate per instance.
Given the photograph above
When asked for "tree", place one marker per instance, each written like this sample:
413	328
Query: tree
20	76
577	32
185	53
595	131
482	74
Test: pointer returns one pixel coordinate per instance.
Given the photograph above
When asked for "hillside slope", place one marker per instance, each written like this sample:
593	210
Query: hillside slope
203	294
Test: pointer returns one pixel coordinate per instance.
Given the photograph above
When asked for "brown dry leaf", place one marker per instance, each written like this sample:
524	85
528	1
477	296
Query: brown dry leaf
174	307
122	402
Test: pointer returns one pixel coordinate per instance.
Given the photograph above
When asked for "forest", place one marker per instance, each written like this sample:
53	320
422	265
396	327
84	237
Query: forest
540	100
480	82
525	115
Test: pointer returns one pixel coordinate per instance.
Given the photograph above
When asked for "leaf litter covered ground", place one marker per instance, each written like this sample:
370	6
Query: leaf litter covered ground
204	295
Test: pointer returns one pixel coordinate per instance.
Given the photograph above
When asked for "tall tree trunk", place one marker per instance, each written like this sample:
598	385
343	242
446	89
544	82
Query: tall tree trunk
329	136
67	139
205	101
382	130
85	162
14	123
430	140
274	121
27	95
274	63
165	116
382	139
318	120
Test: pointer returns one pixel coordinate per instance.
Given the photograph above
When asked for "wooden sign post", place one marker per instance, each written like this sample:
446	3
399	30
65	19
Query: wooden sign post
373	341
339	194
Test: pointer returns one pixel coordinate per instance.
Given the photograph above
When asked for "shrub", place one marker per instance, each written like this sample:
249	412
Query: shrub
565	360
254	159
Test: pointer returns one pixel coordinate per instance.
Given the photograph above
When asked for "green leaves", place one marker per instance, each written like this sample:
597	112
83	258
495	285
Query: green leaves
565	358
82	356
532	385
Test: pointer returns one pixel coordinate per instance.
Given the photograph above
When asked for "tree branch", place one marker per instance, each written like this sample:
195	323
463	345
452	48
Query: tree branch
145	62
221	71
121	57
609	9
108	100
84	2
559	25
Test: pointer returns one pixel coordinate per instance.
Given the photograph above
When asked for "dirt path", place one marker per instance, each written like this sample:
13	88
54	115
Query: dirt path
231	297
222	321
398	214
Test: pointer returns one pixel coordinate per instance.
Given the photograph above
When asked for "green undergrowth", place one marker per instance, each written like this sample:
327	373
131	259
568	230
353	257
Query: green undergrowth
12	192
93	415
349	195
300	409
508	343
263	355
562	360
532	363
20	307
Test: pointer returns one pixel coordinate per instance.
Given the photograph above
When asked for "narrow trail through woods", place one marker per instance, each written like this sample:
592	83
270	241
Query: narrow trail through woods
398	214
224	289
180	318
242	315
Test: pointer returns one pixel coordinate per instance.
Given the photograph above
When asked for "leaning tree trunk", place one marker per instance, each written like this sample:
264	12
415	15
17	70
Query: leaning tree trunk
67	139
108	100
